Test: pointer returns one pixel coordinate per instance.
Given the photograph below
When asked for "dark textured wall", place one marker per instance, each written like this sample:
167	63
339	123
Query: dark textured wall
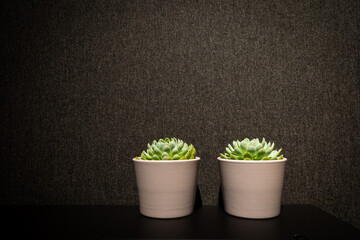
86	85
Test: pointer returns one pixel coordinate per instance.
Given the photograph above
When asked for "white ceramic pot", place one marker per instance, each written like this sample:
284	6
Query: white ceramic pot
166	188
252	189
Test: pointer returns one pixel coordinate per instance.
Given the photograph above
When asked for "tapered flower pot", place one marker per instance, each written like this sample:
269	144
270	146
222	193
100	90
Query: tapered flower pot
252	189
166	188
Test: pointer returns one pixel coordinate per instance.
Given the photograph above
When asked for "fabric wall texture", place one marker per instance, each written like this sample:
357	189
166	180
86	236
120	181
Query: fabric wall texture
85	85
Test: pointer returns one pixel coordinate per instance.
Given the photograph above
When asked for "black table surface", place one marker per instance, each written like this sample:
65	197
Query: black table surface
207	222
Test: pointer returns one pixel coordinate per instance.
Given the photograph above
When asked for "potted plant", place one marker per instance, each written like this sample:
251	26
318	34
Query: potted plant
252	174
166	177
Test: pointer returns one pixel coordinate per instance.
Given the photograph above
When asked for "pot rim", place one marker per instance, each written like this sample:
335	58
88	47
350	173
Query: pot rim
166	161
252	161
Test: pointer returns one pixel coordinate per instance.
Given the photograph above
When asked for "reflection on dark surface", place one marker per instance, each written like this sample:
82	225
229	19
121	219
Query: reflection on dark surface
220	198
237	226
198	199
164	228
113	222
253	228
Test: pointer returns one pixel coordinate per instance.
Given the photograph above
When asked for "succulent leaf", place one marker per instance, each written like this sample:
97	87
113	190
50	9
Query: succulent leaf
175	157
243	147
230	147
180	144
260	154
237	150
223	156
258	147
193	154
168	149
251	150
172	145
229	151
188	154
248	155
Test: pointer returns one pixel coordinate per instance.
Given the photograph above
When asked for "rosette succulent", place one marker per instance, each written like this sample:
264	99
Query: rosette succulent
251	150
168	149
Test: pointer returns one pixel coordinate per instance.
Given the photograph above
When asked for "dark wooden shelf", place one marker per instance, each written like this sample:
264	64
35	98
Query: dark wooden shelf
209	222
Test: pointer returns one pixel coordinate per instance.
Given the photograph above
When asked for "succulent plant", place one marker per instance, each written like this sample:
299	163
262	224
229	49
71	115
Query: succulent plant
168	149
251	150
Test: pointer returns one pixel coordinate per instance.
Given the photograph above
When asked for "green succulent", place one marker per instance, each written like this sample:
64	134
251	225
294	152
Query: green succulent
168	149
251	150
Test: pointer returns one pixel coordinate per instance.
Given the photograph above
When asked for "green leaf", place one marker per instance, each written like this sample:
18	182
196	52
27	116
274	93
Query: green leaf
274	154
143	156
228	151
272	146
167	157
223	156
232	156
263	142
268	151
149	147
180	144
150	152
164	154
171	145
265	158
167	149
243	147
231	148
160	145
238	144
251	150
175	150
257	148
176	157
193	154
260	154
184	151
188	154
248	155
156	157
237	150
235	144
247	159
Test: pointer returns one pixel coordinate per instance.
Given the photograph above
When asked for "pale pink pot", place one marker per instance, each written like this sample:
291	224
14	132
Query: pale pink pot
252	189
166	188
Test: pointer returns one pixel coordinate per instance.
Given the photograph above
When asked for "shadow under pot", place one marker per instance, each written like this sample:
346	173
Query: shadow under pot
252	189
166	189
